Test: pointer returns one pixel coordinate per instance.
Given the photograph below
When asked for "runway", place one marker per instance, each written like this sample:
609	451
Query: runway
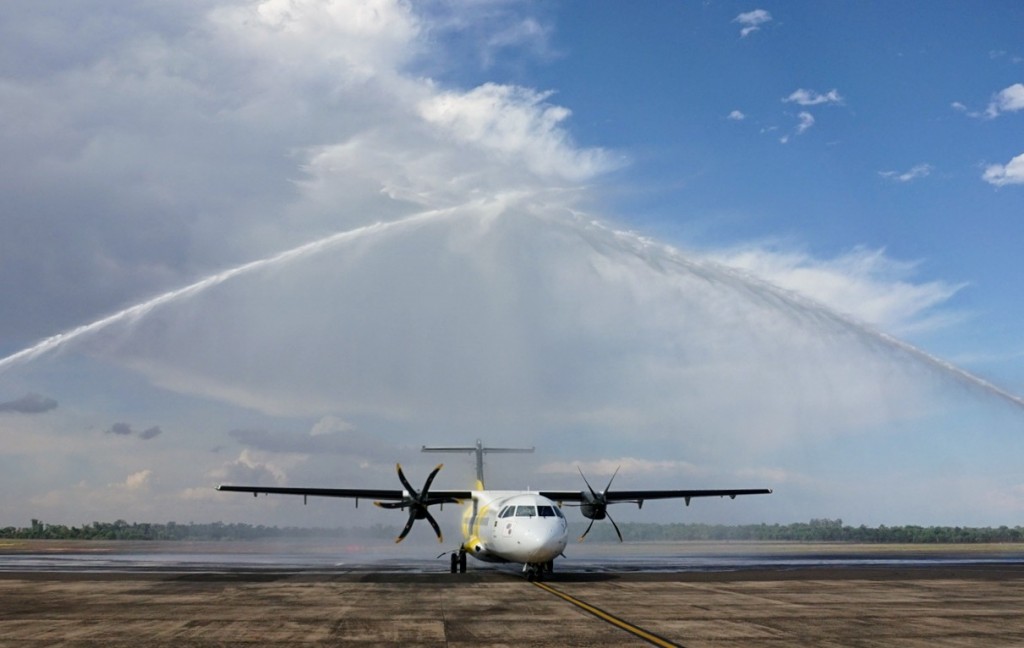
88	594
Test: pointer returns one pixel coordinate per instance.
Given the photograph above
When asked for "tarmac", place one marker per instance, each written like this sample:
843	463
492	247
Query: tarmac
923	603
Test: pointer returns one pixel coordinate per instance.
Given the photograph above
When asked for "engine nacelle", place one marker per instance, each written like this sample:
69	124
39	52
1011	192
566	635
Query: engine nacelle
594	510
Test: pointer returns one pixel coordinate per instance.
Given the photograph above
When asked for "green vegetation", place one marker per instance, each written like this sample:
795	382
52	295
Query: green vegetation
121	530
819	530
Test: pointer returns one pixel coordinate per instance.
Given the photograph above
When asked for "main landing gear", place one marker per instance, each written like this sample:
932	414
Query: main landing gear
537	571
459	561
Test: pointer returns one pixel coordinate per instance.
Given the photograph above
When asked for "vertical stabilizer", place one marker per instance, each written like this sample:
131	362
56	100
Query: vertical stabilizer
479	450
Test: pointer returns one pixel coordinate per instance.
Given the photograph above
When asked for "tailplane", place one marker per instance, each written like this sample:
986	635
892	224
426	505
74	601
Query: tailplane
479	450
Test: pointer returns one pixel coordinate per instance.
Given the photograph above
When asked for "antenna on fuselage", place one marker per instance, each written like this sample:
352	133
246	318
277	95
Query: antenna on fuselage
479	449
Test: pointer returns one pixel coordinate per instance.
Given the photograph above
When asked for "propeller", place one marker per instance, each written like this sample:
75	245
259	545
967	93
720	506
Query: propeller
417	503
596	506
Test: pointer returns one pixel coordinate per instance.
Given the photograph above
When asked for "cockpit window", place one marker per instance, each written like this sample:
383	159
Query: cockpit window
545	511
526	511
508	511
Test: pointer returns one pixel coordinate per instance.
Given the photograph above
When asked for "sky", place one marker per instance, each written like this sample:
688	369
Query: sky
711	244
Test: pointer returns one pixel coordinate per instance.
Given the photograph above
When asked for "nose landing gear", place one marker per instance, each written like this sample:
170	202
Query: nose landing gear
537	571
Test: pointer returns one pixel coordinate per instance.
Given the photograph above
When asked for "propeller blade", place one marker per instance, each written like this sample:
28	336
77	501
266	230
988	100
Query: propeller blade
408	525
586	482
587	531
430	480
405	482
433	523
609	516
611	480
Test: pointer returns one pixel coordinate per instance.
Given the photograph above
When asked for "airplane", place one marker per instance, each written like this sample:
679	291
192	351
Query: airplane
501	526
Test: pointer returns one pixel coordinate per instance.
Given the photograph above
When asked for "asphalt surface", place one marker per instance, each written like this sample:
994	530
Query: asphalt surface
782	596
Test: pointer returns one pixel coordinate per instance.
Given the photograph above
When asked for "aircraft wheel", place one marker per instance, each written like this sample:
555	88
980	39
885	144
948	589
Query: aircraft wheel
455	563
462	561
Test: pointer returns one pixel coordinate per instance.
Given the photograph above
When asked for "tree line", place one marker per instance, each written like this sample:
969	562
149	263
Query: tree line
122	530
816	530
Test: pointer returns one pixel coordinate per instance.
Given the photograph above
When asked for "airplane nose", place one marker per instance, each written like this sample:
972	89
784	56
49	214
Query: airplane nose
549	541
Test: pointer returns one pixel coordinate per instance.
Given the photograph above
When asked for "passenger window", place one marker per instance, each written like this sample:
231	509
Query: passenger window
545	511
526	511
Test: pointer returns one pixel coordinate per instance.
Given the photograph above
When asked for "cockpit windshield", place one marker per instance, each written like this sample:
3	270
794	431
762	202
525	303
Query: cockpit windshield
530	511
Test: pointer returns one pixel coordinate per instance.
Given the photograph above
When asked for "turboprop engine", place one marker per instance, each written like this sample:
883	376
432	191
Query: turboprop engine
594	505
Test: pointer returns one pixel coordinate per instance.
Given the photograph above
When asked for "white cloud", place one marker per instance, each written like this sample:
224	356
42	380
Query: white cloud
736	115
752	21
625	465
806	121
863	283
329	425
516	122
1010	99
355	40
526	33
805	97
247	469
137	480
1008	174
914	173
186	140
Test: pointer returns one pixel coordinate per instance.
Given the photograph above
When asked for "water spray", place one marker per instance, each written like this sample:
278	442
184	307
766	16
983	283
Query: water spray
660	257
136	312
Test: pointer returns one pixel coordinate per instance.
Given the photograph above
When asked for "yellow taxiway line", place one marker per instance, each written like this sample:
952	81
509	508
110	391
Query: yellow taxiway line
610	618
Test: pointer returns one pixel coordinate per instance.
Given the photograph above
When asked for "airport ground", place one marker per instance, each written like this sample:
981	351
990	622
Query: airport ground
946	604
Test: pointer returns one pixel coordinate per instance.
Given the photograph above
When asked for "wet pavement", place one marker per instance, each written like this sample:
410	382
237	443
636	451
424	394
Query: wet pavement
86	594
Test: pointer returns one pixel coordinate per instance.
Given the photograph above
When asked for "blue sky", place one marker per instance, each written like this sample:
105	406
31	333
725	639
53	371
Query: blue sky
717	244
658	83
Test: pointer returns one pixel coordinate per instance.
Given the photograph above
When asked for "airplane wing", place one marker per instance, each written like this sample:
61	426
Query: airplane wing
639	496
435	497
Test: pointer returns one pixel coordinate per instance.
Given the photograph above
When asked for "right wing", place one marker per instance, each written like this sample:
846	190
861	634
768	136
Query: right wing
639	496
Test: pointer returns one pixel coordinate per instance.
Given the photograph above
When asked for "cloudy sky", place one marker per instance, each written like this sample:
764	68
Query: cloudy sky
717	244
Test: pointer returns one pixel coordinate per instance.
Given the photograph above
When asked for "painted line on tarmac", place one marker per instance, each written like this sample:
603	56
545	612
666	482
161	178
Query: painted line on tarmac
610	618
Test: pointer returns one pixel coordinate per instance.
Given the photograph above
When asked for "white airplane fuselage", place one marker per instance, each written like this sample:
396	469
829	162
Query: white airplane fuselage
513	526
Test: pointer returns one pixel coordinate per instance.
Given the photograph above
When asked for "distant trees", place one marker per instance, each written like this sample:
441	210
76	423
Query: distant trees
121	530
816	530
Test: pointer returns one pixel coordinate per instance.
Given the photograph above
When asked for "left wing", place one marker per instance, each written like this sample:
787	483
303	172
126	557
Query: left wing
639	496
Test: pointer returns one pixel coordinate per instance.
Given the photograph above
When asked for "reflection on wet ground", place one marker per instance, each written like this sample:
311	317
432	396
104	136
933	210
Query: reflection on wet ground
307	557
